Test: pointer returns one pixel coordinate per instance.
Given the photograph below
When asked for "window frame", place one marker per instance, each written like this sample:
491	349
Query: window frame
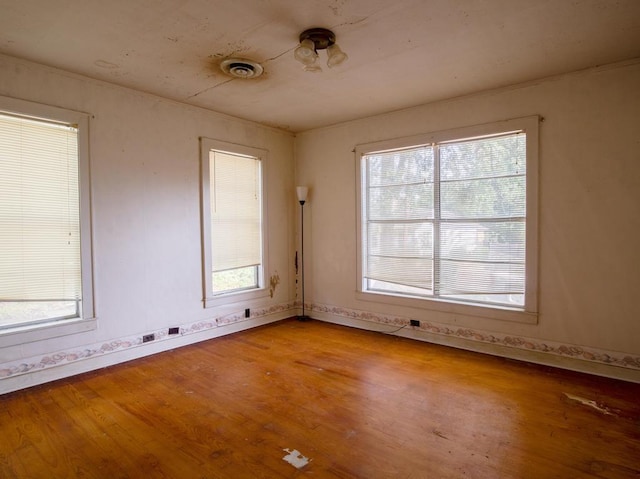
17	334
529	312
228	297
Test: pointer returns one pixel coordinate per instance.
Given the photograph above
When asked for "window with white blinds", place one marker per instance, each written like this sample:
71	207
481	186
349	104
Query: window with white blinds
41	270
234	226
235	220
450	219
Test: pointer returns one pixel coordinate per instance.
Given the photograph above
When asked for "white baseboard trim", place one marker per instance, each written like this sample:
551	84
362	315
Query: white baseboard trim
34	371
508	347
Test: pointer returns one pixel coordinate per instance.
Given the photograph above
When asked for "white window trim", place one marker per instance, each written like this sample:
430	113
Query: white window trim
209	299
529	314
61	327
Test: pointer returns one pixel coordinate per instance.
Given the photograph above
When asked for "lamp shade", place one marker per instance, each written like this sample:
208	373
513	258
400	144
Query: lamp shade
335	55
306	53
302	192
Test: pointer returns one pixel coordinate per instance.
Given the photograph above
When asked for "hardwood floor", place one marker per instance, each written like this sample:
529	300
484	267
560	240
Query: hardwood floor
356	404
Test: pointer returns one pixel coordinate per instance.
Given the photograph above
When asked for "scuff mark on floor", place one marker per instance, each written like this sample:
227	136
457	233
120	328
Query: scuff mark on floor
296	459
591	403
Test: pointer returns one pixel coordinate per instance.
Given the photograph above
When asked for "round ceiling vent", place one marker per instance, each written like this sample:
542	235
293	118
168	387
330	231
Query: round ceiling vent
241	68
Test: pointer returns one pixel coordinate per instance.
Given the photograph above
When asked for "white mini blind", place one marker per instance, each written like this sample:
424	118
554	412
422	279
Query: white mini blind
400	217
236	219
39	211
447	220
483	219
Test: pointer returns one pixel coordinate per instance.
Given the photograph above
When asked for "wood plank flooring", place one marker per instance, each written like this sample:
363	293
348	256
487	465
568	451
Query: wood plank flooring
356	404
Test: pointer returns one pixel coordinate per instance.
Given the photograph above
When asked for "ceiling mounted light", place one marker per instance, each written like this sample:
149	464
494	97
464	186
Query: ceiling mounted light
335	56
306	54
241	68
316	39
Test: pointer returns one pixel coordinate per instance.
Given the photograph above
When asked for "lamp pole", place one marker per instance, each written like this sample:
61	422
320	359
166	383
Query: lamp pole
302	198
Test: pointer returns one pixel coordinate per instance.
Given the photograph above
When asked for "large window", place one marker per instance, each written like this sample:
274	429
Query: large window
233	220
45	259
451	216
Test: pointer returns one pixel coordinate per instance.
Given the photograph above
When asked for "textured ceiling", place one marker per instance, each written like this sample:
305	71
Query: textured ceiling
401	53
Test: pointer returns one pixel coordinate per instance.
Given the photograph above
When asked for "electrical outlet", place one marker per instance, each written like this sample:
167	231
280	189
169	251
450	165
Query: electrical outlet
414	322
247	313
148	337
175	330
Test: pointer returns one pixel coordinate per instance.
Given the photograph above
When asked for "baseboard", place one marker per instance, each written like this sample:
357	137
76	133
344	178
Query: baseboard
34	371
521	349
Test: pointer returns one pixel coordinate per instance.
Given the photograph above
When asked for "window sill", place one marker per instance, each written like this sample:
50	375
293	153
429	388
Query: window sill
237	297
40	332
487	312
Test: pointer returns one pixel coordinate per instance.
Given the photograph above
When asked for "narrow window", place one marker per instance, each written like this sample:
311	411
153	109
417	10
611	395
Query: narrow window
45	276
233	219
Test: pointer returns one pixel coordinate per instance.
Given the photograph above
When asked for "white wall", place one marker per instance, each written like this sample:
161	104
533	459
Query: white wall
589	271
146	224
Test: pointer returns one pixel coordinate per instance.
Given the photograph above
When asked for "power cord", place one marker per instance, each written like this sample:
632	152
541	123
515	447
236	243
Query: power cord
394	331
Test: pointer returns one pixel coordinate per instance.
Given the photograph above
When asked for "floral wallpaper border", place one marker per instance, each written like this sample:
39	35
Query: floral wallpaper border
24	366
570	351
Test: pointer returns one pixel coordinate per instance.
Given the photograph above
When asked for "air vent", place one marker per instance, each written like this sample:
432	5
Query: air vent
241	68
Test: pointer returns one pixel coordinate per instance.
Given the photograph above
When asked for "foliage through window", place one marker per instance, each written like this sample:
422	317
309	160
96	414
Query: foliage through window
447	219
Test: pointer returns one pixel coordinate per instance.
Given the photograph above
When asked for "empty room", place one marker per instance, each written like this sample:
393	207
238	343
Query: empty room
332	239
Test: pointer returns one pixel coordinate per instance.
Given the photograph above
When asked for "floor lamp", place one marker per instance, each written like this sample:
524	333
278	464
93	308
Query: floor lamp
302	197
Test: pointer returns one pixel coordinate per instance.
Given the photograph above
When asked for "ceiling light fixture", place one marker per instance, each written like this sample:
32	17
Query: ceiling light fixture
316	39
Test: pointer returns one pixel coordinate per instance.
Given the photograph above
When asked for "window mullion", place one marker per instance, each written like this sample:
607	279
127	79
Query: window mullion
436	221
365	236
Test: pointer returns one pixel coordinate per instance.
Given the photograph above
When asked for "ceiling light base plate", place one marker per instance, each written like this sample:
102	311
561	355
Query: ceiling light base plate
321	37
